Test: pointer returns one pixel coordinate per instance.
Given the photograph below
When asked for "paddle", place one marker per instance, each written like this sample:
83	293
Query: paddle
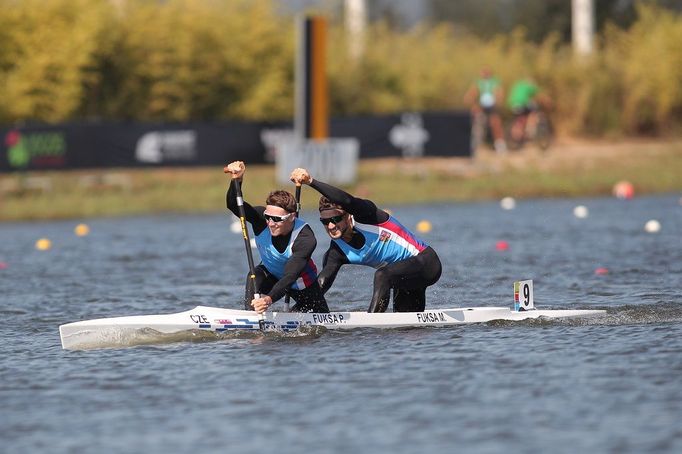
245	234
298	198
298	208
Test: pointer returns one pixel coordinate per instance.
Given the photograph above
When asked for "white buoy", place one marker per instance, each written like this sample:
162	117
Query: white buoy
581	212
652	226
508	203
236	226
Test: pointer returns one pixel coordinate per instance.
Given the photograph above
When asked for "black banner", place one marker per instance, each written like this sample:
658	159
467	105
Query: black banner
101	145
408	134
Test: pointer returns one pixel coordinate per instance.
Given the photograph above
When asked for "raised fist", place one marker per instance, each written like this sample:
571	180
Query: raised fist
236	169
300	176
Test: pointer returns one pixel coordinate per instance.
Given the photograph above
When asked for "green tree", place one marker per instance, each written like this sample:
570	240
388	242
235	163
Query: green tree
49	47
204	60
649	57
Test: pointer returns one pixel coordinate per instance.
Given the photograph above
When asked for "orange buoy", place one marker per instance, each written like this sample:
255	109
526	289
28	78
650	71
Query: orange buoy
624	190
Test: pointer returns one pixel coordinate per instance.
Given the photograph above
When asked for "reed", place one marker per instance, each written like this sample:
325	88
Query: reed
227	59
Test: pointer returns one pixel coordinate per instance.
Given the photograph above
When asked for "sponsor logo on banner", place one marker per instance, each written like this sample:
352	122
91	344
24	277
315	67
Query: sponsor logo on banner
35	149
271	138
410	135
331	160
156	147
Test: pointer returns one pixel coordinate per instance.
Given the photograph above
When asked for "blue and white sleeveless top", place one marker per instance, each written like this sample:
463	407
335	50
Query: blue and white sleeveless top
274	260
388	242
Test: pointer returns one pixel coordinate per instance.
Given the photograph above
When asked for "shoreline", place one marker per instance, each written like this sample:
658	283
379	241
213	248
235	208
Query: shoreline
570	168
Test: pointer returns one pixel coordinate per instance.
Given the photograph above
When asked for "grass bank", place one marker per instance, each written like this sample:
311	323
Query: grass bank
570	169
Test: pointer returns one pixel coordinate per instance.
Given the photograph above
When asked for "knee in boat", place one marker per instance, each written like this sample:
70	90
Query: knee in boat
380	275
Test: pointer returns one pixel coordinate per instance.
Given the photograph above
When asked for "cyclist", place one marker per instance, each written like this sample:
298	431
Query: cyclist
525	99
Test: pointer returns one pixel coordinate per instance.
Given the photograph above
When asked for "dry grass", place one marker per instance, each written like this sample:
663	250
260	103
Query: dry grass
569	169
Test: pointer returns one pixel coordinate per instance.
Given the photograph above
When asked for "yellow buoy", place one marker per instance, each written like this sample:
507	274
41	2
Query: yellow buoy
424	226
43	244
81	230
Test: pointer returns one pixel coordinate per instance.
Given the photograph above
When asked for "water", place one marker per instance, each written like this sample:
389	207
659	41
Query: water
607	384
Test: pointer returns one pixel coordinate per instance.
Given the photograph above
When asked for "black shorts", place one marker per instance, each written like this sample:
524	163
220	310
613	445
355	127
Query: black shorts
309	299
408	279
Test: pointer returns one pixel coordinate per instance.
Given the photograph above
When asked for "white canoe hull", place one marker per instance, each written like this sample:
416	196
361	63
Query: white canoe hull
87	333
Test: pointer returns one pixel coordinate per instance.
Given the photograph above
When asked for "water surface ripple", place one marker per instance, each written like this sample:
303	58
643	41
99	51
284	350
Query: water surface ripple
605	384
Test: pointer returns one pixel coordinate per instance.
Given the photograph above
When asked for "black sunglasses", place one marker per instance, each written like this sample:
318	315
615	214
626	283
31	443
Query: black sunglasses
277	219
334	219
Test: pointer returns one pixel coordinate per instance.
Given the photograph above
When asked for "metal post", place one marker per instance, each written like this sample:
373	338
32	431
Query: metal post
582	25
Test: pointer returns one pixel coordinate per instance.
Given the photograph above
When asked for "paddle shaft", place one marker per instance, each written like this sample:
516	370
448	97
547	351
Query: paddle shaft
245	234
298	208
298	199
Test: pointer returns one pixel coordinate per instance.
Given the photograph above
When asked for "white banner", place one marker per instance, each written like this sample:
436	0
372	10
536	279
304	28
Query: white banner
333	161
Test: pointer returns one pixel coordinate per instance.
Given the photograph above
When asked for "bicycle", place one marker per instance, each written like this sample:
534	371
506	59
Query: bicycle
536	128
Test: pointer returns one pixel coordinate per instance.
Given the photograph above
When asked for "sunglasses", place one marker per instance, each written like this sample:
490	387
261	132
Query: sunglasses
276	219
334	219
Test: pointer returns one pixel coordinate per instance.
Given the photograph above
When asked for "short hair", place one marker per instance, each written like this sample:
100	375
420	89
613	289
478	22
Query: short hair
326	204
282	199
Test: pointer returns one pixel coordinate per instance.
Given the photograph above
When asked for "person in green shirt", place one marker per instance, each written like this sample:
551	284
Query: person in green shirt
483	97
524	100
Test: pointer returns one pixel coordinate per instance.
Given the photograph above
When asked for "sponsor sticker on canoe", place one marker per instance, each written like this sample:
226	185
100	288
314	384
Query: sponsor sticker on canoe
430	317
329	319
201	319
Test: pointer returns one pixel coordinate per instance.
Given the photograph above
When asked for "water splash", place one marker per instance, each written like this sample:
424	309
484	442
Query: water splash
614	316
126	338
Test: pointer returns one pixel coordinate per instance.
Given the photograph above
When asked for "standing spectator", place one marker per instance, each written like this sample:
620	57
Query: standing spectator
483	97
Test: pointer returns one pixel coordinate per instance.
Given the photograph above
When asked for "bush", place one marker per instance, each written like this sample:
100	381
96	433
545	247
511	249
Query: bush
182	60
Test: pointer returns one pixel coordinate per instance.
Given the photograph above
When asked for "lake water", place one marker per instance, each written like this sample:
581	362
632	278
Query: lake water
611	383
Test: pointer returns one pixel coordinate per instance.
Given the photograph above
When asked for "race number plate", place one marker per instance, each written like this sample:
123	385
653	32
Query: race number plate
523	295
